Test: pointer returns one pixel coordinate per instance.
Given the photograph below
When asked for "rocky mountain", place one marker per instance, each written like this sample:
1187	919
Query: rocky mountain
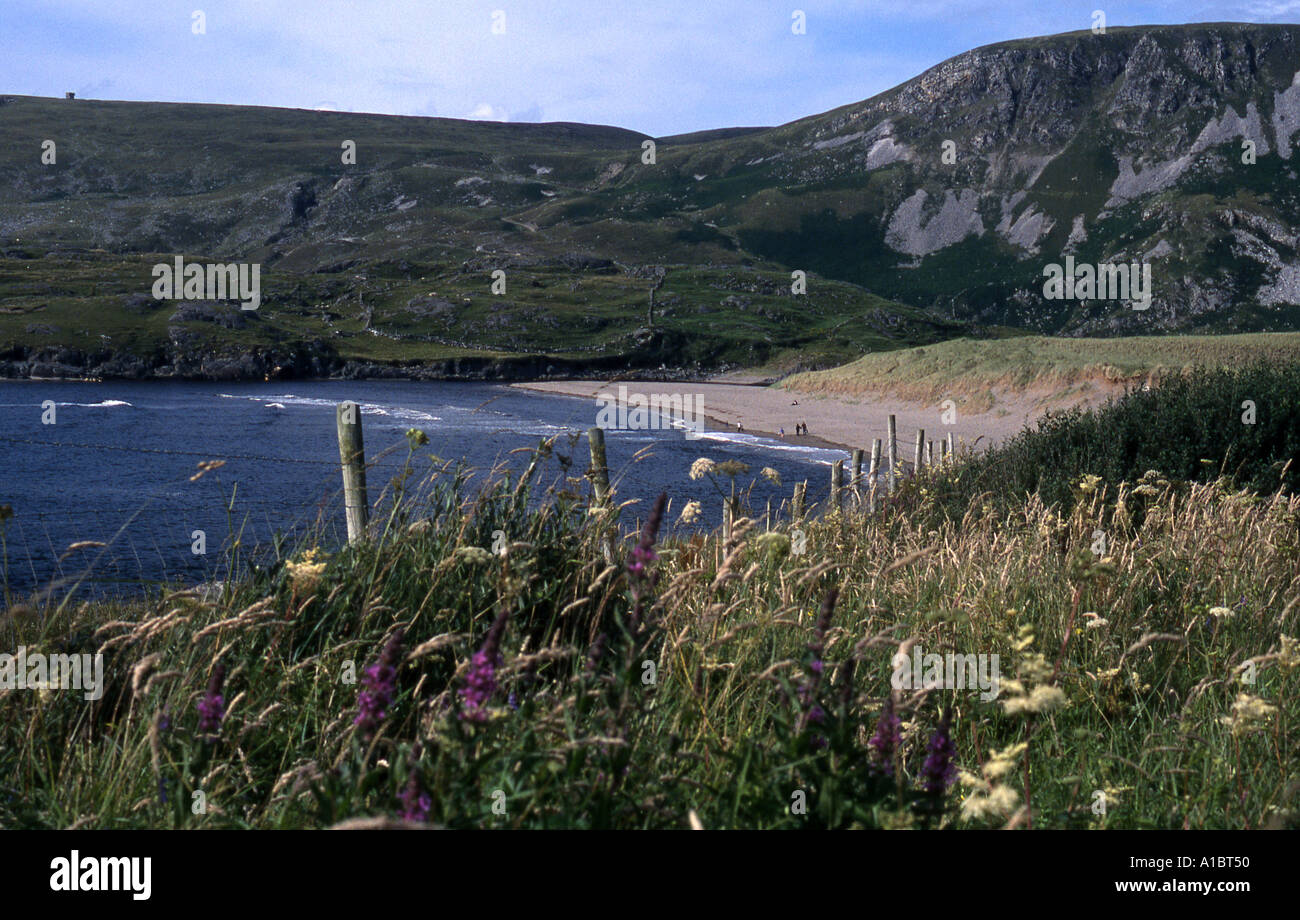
928	211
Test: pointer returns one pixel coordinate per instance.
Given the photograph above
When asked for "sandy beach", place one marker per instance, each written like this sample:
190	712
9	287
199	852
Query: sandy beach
831	421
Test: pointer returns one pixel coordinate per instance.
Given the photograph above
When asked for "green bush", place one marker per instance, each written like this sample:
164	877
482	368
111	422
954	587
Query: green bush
1190	428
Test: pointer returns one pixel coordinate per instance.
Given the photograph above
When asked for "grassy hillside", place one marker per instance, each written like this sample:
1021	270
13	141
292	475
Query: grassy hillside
1060	144
76	312
986	371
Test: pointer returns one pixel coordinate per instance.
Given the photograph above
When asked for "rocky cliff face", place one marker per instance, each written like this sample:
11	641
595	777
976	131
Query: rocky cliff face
1168	145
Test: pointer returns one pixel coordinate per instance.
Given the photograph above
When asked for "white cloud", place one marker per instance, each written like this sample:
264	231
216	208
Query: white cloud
485	111
663	68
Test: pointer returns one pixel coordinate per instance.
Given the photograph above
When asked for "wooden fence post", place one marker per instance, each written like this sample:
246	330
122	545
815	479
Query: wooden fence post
873	475
352	454
797	500
599	465
952	447
599	474
893	453
855	476
837	484
929	453
920	445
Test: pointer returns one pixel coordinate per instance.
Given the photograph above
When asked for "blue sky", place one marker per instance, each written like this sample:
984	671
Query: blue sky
661	67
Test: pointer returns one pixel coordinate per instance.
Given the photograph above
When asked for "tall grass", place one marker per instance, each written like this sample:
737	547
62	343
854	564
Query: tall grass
587	675
1240	422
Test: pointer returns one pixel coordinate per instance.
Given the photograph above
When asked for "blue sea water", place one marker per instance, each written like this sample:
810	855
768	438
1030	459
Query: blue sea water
115	467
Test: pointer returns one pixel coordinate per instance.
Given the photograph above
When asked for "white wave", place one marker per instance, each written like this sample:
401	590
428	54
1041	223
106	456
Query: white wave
105	404
284	400
802	452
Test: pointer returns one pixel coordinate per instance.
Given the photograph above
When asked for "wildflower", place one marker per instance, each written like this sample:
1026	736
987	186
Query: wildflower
305	574
887	739
808	691
690	513
777	544
1089	483
818	645
1249	713
1289	656
1043	698
771	475
998	801
379	684
732	468
474	555
481	681
938	771
702	467
416	803
1226	613
643	556
415	438
1004	761
212	708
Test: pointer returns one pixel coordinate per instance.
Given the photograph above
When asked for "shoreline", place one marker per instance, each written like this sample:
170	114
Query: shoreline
838	423
557	388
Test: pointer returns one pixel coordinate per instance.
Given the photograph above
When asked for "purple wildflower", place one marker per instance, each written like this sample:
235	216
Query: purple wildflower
481	682
416	803
814	714
212	708
378	685
641	559
938	771
818	645
887	739
643	556
479	686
